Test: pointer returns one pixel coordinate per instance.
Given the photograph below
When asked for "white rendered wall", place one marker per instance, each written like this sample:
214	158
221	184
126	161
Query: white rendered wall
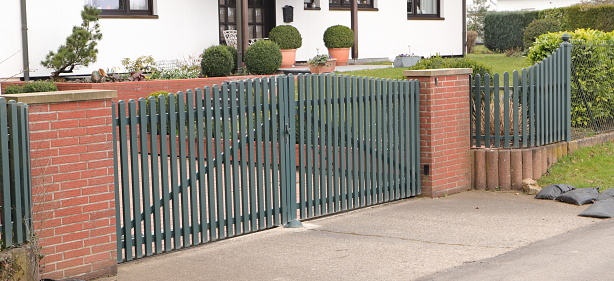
383	33
184	28
518	5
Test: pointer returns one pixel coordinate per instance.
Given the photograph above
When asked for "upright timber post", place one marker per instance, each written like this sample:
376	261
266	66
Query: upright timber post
355	28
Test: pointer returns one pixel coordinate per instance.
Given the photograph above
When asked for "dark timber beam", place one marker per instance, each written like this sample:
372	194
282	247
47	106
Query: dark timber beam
354	11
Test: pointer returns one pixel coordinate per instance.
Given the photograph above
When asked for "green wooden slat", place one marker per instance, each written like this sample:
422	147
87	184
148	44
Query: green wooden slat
164	171
118	222
541	110
497	110
183	169
525	104
219	176
301	111
397	139
235	136
7	226
389	152
242	119
211	186
478	112
192	169
487	105
250	144
373	139
346	180
134	164
125	186
531	105
383	135
507	107
202	162
259	157
353	105
334	125
320	174
516	108
275	155
308	98
145	186
359	140
403	109
226	164
24	137
17	194
174	185
289	87
152	120
268	147
328	145
283	151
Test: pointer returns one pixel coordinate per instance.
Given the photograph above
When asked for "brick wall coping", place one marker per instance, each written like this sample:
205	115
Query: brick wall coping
61	96
437	72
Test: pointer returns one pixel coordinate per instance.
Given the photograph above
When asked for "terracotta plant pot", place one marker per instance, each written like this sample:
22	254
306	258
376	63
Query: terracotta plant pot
341	54
288	58
328	67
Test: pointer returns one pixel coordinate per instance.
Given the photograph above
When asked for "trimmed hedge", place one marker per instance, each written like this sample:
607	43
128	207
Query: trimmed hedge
537	28
217	61
600	17
263	58
31	87
505	30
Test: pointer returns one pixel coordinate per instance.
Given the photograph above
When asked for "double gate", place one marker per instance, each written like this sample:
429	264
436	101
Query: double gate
219	162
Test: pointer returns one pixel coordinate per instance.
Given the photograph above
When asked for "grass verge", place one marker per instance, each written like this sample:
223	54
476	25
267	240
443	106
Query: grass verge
587	167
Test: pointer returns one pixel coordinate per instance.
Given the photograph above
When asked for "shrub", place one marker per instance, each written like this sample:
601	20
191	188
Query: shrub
471	37
591	69
31	87
144	64
505	30
338	36
233	51
217	61
80	47
439	62
263	57
537	28
286	36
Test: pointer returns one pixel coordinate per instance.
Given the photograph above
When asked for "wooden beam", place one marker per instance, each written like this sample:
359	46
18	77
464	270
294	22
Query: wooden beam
354	12
244	24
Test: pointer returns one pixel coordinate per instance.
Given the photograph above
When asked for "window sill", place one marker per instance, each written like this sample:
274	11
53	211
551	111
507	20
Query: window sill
128	16
313	9
347	9
424	18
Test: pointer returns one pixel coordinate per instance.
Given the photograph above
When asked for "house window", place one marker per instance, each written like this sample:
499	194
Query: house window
348	3
423	9
124	7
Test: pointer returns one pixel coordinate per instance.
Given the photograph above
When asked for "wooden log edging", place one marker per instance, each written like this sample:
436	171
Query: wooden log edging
504	169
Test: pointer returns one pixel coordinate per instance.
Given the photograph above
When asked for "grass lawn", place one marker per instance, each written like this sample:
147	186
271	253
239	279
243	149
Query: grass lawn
587	167
499	63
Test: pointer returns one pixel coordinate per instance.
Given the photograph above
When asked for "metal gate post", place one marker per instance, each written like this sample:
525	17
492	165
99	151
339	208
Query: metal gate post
566	47
287	93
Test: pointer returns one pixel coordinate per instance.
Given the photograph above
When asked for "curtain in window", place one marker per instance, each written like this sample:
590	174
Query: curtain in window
139	5
107	4
427	6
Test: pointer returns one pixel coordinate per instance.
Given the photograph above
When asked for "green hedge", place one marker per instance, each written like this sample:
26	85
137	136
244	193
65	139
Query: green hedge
505	30
439	62
600	17
31	87
592	63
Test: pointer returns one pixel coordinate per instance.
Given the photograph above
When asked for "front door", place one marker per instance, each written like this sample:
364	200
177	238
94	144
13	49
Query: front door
261	17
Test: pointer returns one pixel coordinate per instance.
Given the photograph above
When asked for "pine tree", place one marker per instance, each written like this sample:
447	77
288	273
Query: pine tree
80	47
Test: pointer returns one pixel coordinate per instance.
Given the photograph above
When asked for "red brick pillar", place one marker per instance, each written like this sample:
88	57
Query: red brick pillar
72	182
444	130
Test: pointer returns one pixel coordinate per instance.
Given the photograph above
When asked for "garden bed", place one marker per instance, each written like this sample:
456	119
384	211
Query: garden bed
141	89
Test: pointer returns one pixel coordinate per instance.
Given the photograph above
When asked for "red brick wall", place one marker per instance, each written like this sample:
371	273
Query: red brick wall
444	132
73	190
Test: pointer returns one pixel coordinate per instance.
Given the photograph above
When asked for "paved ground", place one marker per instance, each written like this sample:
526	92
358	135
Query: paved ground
404	240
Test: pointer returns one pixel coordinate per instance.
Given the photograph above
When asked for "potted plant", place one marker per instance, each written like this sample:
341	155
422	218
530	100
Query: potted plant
338	39
322	64
406	60
289	39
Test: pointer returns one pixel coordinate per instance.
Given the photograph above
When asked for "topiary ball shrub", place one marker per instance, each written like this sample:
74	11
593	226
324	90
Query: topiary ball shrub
338	36
217	61
537	28
263	58
233	51
286	36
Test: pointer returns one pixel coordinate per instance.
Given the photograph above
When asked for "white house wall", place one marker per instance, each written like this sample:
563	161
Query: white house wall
519	5
184	28
382	33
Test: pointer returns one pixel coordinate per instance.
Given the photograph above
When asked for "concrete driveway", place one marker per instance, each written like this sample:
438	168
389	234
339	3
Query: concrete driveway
403	240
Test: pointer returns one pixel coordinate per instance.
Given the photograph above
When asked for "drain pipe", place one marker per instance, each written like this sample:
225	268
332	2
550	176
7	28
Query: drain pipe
24	42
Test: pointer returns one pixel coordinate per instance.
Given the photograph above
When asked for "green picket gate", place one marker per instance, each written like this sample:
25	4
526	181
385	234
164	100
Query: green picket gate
245	156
